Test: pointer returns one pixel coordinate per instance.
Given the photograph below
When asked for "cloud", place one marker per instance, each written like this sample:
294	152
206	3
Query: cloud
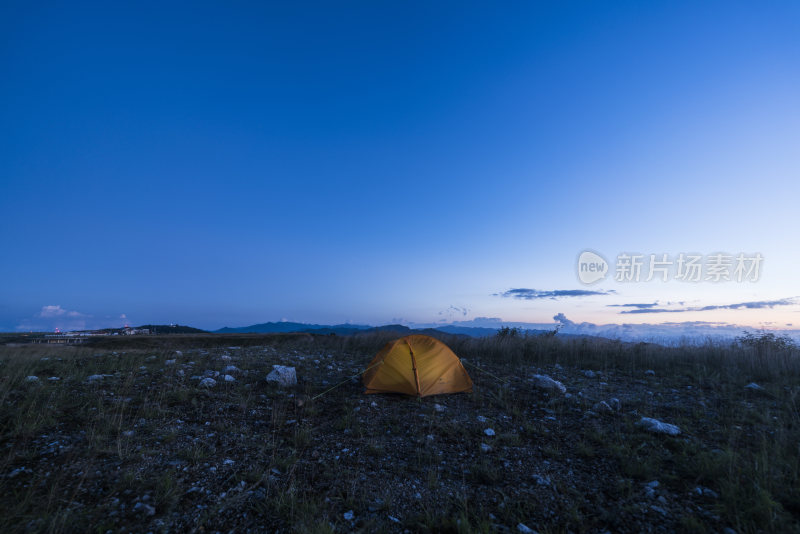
53	316
667	333
655	310
455	309
755	305
752	305
561	318
51	311
523	293
639	306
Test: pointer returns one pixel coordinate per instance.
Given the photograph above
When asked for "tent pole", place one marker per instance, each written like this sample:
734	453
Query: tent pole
414	366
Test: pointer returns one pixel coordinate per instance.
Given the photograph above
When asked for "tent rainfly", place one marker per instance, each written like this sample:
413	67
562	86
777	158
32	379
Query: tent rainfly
416	365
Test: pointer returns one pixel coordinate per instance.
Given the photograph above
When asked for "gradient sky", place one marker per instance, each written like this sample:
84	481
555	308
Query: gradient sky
374	162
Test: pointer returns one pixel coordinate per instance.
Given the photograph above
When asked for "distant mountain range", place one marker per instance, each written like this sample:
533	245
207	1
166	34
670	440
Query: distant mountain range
352	329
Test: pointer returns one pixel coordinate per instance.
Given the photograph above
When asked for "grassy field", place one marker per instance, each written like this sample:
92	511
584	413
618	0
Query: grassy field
120	437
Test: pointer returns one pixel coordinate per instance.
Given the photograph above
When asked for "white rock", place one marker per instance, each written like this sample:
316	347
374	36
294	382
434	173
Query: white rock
32	379
589	374
54	379
654	425
481	419
207	382
228	461
545	382
94	378
486	448
229	378
225	357
615	404
489	432
754	387
231	369
349	515
438	407
128	433
284	376
650	372
178	353
169	362
525	529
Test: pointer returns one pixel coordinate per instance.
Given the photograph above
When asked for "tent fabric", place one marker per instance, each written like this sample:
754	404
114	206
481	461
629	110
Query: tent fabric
416	365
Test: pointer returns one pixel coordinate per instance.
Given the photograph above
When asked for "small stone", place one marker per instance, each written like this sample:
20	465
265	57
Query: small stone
228	461
229	378
602	407
589	374
525	529
349	515
146	508
438	407
282	375
231	369
94	378
650	372
486	448
16	471
753	386
489	432
481	419
547	383
32	379
207	382
128	433
658	427
54	379
615	404
169	362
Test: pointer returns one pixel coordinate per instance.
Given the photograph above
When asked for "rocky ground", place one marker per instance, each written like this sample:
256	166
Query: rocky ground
138	441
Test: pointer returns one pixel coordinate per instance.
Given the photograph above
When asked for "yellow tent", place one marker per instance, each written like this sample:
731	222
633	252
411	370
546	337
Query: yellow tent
416	365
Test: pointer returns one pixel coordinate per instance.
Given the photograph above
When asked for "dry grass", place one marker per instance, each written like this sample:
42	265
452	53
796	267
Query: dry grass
79	455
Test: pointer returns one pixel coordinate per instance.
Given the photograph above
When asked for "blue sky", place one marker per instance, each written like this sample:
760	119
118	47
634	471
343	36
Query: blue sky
369	162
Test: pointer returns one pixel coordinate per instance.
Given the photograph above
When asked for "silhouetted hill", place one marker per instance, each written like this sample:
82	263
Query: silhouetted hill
284	327
172	329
